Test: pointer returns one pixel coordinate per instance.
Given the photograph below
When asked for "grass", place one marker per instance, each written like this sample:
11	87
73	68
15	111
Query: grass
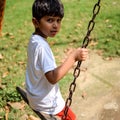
17	29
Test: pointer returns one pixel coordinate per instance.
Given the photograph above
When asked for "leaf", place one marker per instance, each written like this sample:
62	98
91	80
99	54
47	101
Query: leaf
21	63
7	110
51	43
1	56
9	34
84	95
31	117
93	43
1	117
68	51
17	105
24	117
5	74
12	37
2	86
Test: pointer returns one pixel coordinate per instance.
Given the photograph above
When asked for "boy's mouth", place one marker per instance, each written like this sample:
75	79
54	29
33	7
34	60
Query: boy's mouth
54	32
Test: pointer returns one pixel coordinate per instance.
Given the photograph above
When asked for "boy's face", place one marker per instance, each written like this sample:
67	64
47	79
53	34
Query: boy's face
48	26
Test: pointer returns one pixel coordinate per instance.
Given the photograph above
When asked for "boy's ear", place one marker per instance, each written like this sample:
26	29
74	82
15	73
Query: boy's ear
35	22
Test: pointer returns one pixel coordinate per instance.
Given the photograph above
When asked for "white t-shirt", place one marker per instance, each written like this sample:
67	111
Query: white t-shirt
42	95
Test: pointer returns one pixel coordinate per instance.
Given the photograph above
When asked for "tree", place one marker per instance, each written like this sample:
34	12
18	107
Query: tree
2	8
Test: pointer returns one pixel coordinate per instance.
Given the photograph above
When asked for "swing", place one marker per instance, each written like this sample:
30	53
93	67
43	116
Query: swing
76	73
41	115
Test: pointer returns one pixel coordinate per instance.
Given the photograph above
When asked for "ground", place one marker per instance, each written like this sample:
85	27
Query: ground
97	96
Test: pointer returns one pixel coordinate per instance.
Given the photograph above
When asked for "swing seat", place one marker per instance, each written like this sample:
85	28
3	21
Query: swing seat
41	115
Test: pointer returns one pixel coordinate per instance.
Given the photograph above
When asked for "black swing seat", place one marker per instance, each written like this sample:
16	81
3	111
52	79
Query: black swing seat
41	115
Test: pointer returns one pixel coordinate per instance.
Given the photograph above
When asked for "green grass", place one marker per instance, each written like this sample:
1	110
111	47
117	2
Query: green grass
18	27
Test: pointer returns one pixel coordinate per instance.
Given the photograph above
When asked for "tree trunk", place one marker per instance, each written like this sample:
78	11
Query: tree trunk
2	7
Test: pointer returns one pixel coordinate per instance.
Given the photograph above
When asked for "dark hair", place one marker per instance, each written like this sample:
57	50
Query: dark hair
42	8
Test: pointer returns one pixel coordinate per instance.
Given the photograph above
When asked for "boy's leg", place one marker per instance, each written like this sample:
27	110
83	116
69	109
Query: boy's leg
70	114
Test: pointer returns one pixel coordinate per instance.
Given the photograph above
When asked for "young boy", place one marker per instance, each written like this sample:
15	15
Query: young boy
42	74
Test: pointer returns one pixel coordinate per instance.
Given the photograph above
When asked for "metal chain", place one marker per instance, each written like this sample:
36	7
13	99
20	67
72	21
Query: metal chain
76	72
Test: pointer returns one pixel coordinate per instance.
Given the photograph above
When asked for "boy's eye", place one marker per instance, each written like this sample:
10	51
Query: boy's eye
58	20
50	20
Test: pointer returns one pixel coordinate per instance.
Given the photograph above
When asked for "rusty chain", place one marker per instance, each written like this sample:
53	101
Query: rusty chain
76	72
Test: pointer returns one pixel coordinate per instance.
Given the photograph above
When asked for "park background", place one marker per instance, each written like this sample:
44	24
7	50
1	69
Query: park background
17	28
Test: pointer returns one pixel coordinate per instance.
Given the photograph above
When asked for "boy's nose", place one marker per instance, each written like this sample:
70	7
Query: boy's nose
55	24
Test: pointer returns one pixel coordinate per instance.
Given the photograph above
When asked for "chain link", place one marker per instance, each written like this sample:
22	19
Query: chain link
76	72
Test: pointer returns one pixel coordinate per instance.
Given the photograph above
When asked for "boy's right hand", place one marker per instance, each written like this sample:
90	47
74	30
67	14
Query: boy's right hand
81	54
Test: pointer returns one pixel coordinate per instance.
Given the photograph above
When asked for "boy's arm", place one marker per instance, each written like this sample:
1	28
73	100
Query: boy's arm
55	75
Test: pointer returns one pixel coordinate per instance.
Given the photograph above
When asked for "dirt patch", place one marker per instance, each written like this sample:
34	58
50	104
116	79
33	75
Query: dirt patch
97	96
111	110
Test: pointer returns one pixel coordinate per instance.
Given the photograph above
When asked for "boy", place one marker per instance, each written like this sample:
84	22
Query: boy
42	74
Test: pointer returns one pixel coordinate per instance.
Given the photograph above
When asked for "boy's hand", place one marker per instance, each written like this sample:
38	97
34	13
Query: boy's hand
81	54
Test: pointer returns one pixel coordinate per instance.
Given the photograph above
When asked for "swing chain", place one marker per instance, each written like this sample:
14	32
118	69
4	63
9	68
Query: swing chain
76	72
91	24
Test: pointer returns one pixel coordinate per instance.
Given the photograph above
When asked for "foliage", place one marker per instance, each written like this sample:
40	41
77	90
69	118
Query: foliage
9	96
